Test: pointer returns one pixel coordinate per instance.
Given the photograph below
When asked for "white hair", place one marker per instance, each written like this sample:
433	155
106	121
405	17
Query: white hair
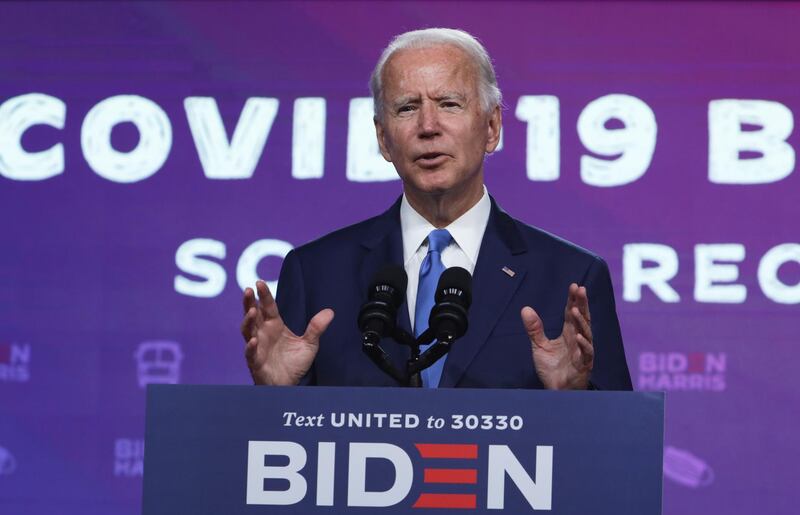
489	93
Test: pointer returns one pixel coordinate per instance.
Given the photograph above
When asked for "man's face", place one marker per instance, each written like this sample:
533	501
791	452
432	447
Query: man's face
434	129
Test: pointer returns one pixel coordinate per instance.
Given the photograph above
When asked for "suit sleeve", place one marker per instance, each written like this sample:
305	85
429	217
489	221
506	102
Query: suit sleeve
610	370
291	300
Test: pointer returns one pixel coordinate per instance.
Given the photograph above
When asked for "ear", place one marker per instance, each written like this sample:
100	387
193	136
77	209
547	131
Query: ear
380	132
493	129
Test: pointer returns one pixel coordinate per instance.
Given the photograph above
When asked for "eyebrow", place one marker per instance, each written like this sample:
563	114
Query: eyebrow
405	100
450	95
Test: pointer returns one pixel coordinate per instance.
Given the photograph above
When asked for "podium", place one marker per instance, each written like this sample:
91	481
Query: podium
227	450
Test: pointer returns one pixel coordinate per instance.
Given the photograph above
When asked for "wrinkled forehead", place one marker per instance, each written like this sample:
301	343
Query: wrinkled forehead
434	69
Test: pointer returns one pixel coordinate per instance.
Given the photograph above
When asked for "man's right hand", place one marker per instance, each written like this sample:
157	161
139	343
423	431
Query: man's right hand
275	355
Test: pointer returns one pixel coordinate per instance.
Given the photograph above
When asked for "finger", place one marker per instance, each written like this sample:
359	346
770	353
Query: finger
249	299
317	325
572	293
587	351
245	327
250	324
581	324
533	326
569	329
583	303
250	349
251	356
266	302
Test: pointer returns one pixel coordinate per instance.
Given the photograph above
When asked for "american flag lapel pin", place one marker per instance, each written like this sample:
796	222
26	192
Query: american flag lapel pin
508	271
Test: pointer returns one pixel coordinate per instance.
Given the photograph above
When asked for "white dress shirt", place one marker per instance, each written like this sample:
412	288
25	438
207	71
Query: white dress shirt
467	232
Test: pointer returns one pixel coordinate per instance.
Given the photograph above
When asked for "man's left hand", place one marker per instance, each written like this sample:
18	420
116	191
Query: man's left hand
564	363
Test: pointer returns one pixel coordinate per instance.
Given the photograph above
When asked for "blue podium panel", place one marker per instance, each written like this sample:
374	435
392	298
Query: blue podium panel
279	450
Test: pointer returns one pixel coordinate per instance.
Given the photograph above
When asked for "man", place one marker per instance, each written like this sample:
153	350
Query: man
437	113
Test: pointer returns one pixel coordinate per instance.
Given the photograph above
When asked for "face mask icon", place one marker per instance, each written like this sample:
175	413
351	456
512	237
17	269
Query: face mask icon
158	362
7	462
687	469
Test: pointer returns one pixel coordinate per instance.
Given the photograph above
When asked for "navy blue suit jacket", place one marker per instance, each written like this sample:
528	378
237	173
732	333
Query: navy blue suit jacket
335	270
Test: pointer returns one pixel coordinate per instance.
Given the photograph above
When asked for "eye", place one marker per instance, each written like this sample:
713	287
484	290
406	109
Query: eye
405	108
449	104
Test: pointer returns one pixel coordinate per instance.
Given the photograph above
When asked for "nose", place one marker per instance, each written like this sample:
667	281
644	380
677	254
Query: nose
428	121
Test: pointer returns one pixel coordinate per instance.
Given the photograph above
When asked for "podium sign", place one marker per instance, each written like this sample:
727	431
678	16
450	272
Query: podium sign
249	450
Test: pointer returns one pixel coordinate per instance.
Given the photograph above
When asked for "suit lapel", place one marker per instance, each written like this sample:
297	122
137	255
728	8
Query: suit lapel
384	245
492	289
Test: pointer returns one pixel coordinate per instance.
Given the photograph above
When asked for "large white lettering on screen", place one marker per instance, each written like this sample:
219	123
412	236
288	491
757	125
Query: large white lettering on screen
747	139
716	272
17	115
200	257
768	124
308	138
633	145
155	138
364	160
238	158
543	136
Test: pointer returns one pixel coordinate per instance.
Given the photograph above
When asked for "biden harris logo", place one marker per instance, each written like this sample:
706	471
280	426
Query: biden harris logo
158	362
128	457
15	362
682	371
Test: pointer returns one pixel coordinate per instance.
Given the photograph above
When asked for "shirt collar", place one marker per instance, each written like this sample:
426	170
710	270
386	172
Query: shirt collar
467	230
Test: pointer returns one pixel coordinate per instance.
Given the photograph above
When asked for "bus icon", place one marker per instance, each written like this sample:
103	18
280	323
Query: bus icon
158	362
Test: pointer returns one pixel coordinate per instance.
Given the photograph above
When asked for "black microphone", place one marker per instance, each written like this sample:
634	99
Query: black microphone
448	319
378	316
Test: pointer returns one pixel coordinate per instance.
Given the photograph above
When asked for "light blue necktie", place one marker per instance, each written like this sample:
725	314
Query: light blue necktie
429	272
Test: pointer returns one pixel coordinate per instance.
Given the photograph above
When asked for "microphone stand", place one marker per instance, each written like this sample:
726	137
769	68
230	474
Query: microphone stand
370	344
416	363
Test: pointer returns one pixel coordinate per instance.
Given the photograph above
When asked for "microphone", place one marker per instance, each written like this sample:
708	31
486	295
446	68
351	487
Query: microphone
448	319
378	316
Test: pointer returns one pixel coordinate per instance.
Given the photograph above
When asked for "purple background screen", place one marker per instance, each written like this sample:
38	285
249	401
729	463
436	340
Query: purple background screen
155	156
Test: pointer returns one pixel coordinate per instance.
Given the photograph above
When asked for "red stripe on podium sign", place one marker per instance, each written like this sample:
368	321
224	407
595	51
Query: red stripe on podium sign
467	501
448	450
453	476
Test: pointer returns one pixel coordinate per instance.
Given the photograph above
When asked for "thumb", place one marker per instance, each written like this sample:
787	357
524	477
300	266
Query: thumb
533	326
318	325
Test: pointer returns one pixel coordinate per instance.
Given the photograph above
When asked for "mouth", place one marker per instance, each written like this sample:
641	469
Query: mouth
431	159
